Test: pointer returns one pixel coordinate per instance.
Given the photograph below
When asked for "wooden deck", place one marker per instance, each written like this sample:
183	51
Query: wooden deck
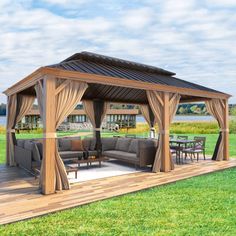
20	198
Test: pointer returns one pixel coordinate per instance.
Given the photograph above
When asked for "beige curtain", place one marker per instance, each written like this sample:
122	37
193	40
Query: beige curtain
39	94
88	108
90	111
66	101
11	114
24	104
105	108
18	106
156	103
216	108
145	110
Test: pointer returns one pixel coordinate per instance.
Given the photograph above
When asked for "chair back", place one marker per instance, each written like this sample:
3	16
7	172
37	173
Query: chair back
182	137
200	142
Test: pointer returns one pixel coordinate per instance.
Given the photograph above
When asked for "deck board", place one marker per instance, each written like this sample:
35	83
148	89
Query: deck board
20	197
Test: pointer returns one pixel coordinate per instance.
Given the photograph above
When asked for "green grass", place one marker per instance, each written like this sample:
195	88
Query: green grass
204	205
196	127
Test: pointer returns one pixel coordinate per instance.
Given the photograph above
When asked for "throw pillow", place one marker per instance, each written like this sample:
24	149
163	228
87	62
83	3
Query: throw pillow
77	145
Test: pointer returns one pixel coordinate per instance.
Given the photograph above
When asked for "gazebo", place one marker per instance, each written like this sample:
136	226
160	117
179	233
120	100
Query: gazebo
96	80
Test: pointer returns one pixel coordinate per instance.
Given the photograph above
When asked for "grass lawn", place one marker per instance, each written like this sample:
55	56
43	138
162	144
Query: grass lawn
204	205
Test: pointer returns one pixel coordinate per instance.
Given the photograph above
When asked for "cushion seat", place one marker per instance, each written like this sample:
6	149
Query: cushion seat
121	155
71	154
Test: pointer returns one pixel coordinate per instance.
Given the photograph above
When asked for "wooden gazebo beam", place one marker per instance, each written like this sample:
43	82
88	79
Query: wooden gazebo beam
107	80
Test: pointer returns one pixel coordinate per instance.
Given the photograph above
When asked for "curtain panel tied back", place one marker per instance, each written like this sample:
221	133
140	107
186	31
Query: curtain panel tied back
96	111
149	117
216	108
156	102
17	107
67	99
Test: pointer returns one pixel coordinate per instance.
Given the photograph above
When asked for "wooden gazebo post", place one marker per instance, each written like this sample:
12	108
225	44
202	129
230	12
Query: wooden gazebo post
49	86
226	121
165	135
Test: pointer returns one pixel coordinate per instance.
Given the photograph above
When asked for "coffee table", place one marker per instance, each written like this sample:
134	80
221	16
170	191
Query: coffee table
90	160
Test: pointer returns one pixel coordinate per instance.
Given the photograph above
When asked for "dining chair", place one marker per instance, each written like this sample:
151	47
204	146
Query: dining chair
201	144
195	148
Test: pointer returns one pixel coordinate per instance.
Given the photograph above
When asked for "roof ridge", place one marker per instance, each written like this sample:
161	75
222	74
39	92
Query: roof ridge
84	55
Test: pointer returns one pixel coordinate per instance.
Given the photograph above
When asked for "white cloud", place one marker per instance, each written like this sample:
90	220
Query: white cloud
222	3
187	37
136	19
65	3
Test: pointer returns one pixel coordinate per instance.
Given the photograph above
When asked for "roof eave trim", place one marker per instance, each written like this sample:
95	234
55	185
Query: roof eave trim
25	83
116	81
106	80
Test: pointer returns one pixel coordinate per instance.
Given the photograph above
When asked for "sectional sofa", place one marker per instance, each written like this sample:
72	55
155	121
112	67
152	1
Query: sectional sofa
29	152
140	152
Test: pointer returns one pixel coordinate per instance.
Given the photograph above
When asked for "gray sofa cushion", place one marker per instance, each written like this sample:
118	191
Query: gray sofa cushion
70	154
28	145
36	153
89	144
65	143
108	143
32	146
92	144
122	144
40	148
20	142
86	143
120	155
133	147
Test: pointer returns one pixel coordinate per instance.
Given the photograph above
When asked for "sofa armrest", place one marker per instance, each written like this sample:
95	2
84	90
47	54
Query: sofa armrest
23	157
146	152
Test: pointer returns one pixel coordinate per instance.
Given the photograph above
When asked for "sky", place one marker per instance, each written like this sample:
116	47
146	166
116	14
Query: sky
193	38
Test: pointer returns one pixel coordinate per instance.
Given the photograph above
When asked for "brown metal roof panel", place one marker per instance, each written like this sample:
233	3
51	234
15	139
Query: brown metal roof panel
138	73
116	62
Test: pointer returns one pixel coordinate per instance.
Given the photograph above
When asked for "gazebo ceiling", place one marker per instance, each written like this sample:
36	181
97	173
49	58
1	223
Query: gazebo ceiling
117	94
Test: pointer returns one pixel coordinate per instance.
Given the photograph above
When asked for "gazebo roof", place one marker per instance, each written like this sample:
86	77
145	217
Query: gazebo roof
116	80
87	62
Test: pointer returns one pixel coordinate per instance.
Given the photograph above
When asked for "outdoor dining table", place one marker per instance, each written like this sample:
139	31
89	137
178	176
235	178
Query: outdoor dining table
180	145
